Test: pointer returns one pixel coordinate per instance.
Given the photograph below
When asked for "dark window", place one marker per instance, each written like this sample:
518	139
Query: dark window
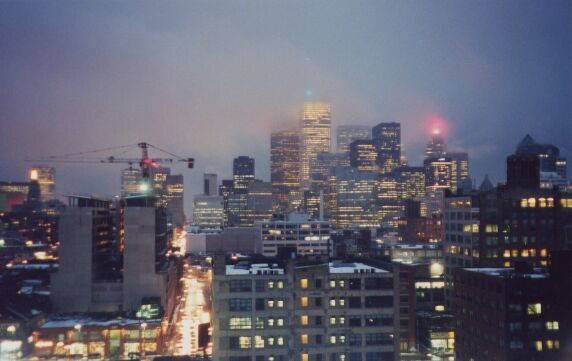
378	301
259	287
240	286
240	304
355	321
378	283
259	304
355	284
318	283
354	302
318	302
318	339
318	320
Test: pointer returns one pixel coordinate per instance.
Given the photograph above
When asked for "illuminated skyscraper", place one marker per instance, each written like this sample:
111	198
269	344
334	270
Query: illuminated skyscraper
346	134
353	198
387	140
363	155
440	173
130	182
208	212
436	146
284	167
46	177
460	167
315	134
160	175
259	201
410	182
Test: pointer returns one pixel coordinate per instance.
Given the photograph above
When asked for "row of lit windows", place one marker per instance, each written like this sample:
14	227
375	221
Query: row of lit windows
245	323
524	253
247	342
550	345
540	202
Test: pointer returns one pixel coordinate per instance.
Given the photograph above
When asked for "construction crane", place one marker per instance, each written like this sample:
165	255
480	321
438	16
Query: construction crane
145	163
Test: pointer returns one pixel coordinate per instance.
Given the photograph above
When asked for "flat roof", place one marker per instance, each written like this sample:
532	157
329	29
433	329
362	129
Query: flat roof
505	272
353	267
69	321
254	269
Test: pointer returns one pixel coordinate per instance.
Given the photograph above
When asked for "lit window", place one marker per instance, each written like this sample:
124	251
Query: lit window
258	342
280	284
270	303
304	338
524	253
304	320
304	301
552	325
523	203
531	202
534	309
506	253
270	284
280	322
550	202
244	342
304	357
270	322
332	321
543	252
304	283
341	283
270	341
280	303
332	284
549	344
332	302
542	202
538	345
280	341
342	320
342	302
333	340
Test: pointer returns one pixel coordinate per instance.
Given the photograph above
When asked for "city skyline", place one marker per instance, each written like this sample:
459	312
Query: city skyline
126	76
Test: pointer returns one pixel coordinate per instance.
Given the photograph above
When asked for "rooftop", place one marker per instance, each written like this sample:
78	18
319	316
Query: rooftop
508	272
357	267
70	321
253	269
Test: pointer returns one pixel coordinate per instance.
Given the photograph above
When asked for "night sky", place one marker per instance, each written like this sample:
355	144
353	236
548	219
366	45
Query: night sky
212	79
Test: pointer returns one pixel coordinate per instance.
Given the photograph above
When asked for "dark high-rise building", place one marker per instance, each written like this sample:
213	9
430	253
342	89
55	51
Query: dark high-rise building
210	184
548	155
12	194
363	155
174	197
523	171
242	173
387	140
284	167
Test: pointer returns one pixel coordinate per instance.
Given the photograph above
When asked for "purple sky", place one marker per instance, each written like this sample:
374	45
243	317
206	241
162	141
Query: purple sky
211	79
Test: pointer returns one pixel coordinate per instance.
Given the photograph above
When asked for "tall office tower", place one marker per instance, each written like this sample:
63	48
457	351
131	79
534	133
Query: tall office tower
301	311
322	168
389	205
549	155
461	242
87	257
346	134
131	182
387	140
353	198
460	168
46	176
224	190
436	146
284	167
440	173
160	175
363	155
208	212
410	182
210	184
242	173
315	134
174	198
259	201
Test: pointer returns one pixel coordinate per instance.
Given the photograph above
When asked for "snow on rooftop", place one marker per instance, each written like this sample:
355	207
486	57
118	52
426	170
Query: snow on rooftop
73	320
343	267
501	272
256	269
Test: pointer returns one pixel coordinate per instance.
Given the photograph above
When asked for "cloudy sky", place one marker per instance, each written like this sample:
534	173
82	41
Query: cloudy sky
211	79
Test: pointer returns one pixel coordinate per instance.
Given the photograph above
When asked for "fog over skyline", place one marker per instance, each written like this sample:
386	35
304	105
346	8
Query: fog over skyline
210	80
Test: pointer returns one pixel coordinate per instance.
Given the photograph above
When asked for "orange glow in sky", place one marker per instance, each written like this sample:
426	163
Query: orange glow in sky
436	124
